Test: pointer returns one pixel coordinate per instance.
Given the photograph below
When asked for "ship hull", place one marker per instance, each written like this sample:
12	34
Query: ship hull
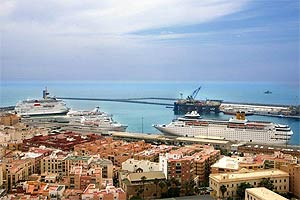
222	132
43	113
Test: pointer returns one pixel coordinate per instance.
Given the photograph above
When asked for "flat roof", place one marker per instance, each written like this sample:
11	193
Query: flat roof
76	158
227	163
148	175
246	175
264	194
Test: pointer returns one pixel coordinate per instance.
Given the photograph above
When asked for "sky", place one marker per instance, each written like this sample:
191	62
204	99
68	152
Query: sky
157	40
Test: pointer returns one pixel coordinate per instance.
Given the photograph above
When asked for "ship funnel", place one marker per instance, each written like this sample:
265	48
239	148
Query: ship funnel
238	115
243	115
45	93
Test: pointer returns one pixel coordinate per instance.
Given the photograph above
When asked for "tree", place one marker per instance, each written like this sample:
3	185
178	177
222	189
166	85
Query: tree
267	183
156	181
161	184
143	179
189	187
241	189
173	188
223	189
206	173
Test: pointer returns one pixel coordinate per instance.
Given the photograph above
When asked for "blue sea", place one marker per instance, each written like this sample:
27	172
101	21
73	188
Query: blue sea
141	117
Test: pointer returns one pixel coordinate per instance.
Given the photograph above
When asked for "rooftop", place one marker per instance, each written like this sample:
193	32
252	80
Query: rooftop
77	158
264	193
227	163
149	176
225	177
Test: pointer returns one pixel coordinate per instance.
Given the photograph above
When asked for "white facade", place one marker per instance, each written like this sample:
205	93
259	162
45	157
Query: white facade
163	161
132	165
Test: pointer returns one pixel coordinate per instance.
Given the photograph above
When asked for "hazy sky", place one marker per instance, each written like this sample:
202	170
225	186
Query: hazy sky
172	40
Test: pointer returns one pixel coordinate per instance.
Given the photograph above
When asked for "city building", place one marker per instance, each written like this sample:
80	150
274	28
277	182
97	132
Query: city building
80	177
109	193
262	193
106	166
133	165
117	151
175	165
15	170
18	133
232	164
54	163
63	141
265	149
231	181
202	162
294	171
8	119
71	160
152	153
144	184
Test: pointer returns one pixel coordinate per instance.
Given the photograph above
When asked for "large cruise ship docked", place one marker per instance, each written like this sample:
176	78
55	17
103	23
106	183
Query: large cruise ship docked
235	129
46	106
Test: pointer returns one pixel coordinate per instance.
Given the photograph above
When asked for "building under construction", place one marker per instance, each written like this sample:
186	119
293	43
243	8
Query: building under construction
182	106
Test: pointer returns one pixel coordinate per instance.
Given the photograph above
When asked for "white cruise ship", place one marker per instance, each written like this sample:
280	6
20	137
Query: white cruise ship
236	129
95	120
46	106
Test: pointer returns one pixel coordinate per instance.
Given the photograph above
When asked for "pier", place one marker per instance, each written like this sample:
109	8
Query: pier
182	106
129	100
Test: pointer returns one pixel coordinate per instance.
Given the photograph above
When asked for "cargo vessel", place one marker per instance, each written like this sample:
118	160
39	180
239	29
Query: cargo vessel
237	128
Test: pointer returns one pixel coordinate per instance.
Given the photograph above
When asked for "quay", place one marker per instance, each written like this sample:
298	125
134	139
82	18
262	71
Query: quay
182	106
262	109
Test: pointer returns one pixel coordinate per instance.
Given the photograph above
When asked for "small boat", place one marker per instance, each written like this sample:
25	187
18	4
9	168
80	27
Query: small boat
268	92
192	115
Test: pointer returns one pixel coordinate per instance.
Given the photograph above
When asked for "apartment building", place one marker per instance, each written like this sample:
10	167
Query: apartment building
109	193
175	165
262	193
294	171
202	162
133	165
144	184
231	181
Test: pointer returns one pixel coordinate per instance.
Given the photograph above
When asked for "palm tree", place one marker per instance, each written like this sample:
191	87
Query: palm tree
223	190
143	179
267	183
240	191
161	184
156	181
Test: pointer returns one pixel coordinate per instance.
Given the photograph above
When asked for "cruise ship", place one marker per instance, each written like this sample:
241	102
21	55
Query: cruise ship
237	128
46	106
95	120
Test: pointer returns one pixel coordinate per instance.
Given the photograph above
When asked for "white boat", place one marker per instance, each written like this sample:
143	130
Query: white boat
46	106
193	115
95	119
235	129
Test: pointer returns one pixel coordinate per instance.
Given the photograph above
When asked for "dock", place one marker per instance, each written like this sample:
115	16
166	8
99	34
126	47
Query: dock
271	110
182	106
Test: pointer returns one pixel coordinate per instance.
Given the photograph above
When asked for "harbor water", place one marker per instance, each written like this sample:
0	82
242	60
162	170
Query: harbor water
141	117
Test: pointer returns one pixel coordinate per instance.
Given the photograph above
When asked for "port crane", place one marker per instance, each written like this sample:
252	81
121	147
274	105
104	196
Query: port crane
193	96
